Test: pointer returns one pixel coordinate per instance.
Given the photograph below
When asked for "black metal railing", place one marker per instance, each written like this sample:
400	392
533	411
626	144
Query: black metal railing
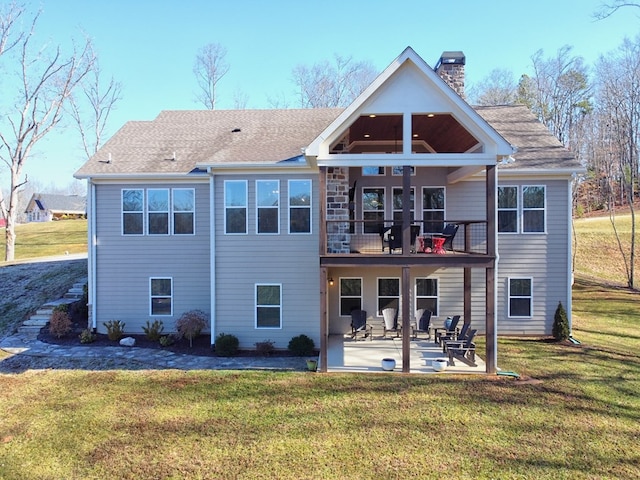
376	237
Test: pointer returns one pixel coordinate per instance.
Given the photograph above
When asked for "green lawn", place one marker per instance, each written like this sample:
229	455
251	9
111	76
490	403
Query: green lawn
43	239
574	415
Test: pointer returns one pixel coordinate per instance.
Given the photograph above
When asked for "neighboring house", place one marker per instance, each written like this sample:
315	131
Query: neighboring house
44	207
270	220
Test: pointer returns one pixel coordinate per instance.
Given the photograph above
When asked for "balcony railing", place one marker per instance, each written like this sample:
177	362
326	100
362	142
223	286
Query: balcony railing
362	237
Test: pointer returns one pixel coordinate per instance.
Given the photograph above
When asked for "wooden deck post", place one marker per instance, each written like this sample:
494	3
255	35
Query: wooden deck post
491	344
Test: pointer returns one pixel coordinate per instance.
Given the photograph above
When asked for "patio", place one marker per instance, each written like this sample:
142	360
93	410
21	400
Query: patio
347	355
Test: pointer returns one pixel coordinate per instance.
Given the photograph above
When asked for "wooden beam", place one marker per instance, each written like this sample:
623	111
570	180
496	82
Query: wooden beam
491	352
324	320
406	320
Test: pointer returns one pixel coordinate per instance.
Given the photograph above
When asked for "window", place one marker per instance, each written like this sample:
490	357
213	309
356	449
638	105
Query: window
161	296
397	206
533	211
350	295
299	206
268	206
133	212
268	306
427	294
373	209
388	294
372	171
235	206
508	209
520	296
398	171
158	211
433	209
183	211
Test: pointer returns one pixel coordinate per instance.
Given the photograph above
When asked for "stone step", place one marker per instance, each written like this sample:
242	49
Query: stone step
37	320
30	330
44	311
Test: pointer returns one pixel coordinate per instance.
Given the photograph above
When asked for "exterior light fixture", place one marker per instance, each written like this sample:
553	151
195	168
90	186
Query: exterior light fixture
331	281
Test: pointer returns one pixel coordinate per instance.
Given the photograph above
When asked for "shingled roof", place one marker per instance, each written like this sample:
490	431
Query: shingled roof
176	141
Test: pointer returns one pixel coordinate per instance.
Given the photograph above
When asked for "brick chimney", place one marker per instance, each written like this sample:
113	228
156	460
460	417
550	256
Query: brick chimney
450	67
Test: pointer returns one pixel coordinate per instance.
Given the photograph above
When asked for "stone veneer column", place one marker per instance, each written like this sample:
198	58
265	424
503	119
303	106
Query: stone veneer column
338	236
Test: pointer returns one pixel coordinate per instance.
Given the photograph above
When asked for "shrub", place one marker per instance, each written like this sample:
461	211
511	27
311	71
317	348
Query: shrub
265	348
560	323
190	324
301	346
115	329
87	336
167	340
226	345
154	330
63	307
59	324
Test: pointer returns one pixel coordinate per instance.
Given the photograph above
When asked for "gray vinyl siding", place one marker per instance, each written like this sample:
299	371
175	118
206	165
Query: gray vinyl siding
290	260
543	257
125	263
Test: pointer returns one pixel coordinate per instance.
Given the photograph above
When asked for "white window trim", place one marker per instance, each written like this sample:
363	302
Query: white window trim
543	209
340	296
151	297
422	209
530	297
255	303
173	212
517	209
379	313
437	297
246	207
384	206
258	207
122	212
166	212
289	206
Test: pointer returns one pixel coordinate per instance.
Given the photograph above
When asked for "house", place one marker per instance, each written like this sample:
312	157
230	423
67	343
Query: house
272	221
44	207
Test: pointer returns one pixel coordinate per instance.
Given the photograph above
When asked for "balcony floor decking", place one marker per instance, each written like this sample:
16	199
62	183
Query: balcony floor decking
364	356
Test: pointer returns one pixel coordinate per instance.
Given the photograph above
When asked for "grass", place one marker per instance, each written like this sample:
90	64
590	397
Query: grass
574	415
43	239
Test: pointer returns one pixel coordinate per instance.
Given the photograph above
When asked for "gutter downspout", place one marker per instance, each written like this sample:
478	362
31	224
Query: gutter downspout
212	256
92	257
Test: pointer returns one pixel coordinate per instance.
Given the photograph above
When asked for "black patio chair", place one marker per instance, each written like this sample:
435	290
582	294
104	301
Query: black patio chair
451	330
359	325
458	336
449	233
464	351
392	237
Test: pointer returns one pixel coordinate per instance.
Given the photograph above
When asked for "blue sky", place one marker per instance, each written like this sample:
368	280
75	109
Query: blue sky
150	46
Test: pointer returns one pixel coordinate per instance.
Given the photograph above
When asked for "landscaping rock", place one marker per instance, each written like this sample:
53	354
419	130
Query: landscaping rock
128	342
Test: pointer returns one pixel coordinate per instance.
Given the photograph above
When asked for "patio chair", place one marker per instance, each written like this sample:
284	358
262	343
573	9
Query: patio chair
423	323
447	331
359	325
459	336
449	233
392	237
390	322
464	351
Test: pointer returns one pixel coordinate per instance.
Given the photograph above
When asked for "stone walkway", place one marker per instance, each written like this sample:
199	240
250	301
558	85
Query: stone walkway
30	354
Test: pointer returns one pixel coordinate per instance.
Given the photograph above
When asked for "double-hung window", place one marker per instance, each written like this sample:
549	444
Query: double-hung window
299	206
433	209
533	209
235	206
268	206
183	211
520	297
373	209
133	211
350	295
427	294
397	205
508	209
158	211
161	293
268	306
388	294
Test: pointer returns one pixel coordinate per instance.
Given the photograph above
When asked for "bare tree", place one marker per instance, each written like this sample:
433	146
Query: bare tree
46	80
90	109
332	85
209	69
558	92
497	88
607	9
